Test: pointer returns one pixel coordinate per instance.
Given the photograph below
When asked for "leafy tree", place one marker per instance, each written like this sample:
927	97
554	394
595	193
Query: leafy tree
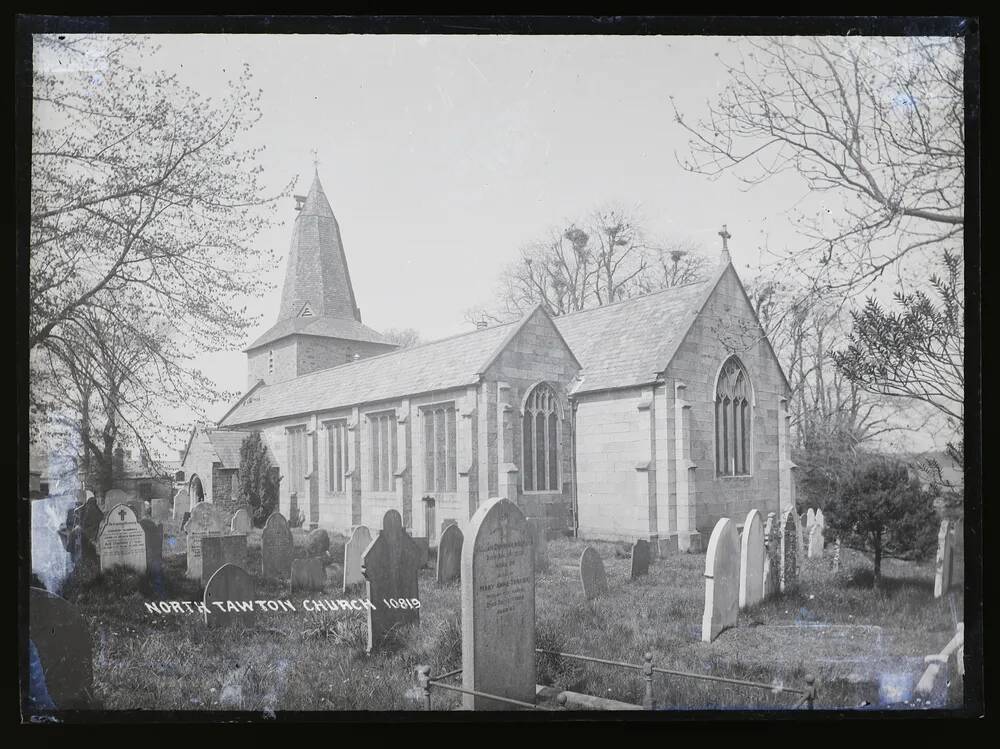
257	478
881	508
874	127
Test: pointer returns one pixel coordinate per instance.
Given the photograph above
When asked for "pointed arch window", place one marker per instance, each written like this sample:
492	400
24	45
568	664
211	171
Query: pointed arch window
733	428
540	441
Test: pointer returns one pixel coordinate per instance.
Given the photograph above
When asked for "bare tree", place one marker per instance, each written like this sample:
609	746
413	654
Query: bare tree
402	337
874	127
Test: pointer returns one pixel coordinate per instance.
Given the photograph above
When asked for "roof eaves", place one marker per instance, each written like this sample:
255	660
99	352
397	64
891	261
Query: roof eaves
237	404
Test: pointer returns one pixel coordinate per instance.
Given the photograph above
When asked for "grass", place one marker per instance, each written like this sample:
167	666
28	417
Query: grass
858	641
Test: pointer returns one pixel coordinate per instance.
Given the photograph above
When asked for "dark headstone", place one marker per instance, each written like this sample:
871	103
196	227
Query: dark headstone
64	650
390	567
640	558
154	546
219	550
317	542
229	597
308	574
276	548
592	575
423	543
790	536
449	556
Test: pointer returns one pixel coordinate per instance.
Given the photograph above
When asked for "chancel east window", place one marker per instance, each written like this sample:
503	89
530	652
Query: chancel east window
296	459
540	440
336	447
382	450
732	420
440	458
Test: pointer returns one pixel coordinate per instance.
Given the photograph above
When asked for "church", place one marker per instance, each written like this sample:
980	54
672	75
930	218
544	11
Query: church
647	418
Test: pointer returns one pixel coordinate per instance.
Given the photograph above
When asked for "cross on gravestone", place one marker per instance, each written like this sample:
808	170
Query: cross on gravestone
593	578
355	547
449	556
122	541
276	546
751	591
498	607
231	587
390	565
722	572
640	558
61	639
790	535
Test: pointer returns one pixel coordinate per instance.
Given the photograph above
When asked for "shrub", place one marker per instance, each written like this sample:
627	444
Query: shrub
258	479
880	508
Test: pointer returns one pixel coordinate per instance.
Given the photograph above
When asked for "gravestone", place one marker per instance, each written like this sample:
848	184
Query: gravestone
751	585
113	497
722	580
958	554
308	574
182	504
790	533
50	558
836	556
276	547
355	547
90	520
772	554
206	520
592	576
942	574
498	607
640	558
159	510
122	541
61	639
810	520
389	566
816	541
540	542
138	507
219	550
154	546
240	524
232	587
423	543
449	557
820	520
317	542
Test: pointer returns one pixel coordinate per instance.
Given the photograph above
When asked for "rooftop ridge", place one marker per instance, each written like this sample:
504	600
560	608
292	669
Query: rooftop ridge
631	299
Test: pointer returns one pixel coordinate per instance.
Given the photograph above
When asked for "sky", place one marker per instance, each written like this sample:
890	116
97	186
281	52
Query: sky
443	156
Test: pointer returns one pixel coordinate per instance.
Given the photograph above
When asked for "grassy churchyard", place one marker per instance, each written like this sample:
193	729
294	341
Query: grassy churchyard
864	645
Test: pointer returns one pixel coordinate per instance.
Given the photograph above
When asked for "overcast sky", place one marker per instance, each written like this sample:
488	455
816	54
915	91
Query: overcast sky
442	156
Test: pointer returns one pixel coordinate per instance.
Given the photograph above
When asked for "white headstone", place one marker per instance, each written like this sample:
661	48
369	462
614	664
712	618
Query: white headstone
942	571
816	541
722	573
498	607
354	549
240	524
121	540
752	561
182	504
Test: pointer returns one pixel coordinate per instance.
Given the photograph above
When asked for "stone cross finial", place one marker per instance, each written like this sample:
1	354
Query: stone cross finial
726	236
315	155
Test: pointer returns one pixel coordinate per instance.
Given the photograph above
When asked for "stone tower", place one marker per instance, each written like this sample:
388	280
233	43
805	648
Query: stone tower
319	324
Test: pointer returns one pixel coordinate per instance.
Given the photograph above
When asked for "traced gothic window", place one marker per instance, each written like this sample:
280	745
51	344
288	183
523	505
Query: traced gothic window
336	446
296	437
382	450
732	420
540	440
440	458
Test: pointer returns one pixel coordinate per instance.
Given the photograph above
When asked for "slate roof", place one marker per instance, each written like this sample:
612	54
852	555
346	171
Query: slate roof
226	445
628	342
328	327
440	365
619	345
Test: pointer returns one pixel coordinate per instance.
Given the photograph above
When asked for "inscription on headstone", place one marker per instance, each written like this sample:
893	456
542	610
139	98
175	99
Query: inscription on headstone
276	548
122	541
640	558
219	550
498	607
390	565
722	572
449	556
231	587
592	575
205	520
752	561
353	551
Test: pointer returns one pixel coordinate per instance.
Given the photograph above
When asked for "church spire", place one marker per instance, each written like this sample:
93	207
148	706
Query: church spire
317	281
